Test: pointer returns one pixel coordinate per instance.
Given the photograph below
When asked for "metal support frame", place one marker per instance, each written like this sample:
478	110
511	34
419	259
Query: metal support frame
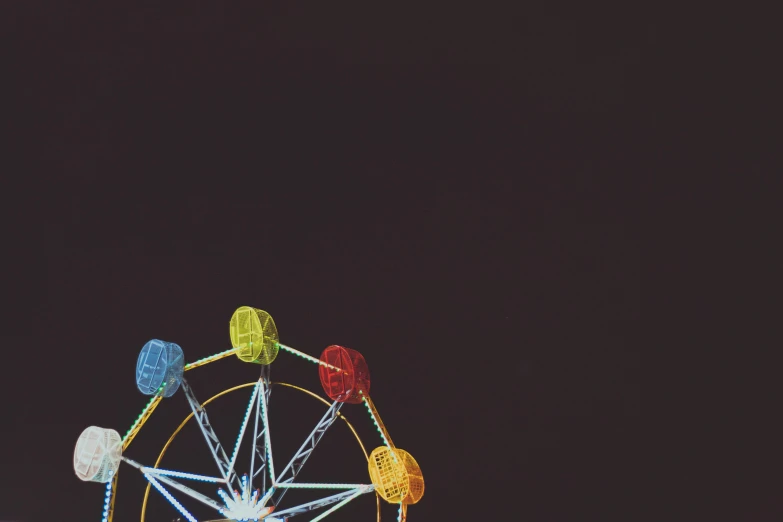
335	507
304	508
259	449
174	502
253	403
186	490
219	454
266	449
300	457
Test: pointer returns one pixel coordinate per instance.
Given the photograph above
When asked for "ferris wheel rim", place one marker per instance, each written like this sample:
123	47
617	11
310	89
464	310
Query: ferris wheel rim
233	389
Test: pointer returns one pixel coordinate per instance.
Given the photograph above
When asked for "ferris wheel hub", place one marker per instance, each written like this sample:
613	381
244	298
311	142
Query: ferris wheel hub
247	505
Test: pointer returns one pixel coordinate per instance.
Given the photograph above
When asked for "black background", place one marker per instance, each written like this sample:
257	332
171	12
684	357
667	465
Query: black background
447	189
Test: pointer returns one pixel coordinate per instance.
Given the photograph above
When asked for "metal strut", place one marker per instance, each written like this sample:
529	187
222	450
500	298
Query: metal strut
259	448
219	454
175	484
352	493
300	457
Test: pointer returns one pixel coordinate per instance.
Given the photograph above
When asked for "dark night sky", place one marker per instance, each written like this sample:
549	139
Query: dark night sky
446	190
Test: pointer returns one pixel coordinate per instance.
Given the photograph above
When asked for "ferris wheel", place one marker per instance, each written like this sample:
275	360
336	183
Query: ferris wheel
250	490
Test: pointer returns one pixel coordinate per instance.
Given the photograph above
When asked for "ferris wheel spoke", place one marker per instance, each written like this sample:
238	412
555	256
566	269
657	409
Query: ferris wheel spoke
241	435
163	491
343	498
318	485
260	448
186	490
300	457
180	474
259	451
269	463
215	447
335	508
155	475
